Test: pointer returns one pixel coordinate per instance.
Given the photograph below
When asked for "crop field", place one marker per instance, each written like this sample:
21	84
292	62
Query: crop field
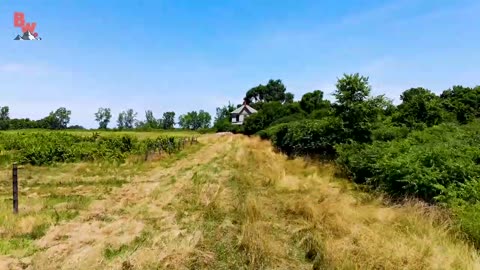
137	134
224	202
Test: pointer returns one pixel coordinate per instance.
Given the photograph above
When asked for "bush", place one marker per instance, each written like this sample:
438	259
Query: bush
270	132
389	133
438	164
307	137
289	118
468	218
236	129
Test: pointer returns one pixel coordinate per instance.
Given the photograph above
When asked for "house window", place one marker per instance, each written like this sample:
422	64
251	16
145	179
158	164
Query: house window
238	118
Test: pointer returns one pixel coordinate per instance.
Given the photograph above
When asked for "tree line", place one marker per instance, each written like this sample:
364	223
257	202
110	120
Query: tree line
60	118
359	111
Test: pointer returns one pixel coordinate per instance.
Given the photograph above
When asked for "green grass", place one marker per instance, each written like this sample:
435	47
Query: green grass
111	252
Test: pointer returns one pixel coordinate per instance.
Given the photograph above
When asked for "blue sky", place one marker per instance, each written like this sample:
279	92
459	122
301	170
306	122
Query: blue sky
190	55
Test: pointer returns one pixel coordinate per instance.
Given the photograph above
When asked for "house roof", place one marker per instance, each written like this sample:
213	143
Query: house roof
244	107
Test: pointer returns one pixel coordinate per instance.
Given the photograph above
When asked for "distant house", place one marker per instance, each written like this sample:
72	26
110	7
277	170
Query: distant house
239	115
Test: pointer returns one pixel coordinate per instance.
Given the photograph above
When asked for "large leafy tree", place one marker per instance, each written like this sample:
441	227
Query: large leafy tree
103	117
58	119
463	102
355	108
204	119
150	120
168	120
419	107
4	113
274	90
127	119
130	118
195	120
314	102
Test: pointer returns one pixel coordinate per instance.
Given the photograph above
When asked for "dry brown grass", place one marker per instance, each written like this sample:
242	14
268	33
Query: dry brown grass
337	230
235	204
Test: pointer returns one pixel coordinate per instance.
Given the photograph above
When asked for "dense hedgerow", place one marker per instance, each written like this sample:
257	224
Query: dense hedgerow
45	148
441	163
307	137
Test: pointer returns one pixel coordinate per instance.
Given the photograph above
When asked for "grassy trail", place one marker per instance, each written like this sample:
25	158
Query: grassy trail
235	204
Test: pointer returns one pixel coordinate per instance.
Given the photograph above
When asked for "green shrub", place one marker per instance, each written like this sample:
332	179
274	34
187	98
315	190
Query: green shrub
307	137
436	164
270	132
468	218
388	133
44	148
289	118
236	129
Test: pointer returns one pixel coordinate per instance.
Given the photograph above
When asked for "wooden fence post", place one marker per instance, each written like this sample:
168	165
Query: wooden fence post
15	188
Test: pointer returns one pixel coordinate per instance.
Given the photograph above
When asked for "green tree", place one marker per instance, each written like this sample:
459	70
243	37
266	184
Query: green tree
313	101
103	117
275	90
4	113
183	121
357	112
222	121
150	120
289	97
121	120
269	113
58	119
130	118
4	118
204	119
463	102
195	120
168	120
419	107
187	120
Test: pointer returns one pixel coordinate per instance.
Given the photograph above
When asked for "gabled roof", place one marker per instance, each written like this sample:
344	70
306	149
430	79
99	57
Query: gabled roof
244	107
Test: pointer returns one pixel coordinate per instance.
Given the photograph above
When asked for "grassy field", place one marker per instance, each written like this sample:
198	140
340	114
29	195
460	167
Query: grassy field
229	202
